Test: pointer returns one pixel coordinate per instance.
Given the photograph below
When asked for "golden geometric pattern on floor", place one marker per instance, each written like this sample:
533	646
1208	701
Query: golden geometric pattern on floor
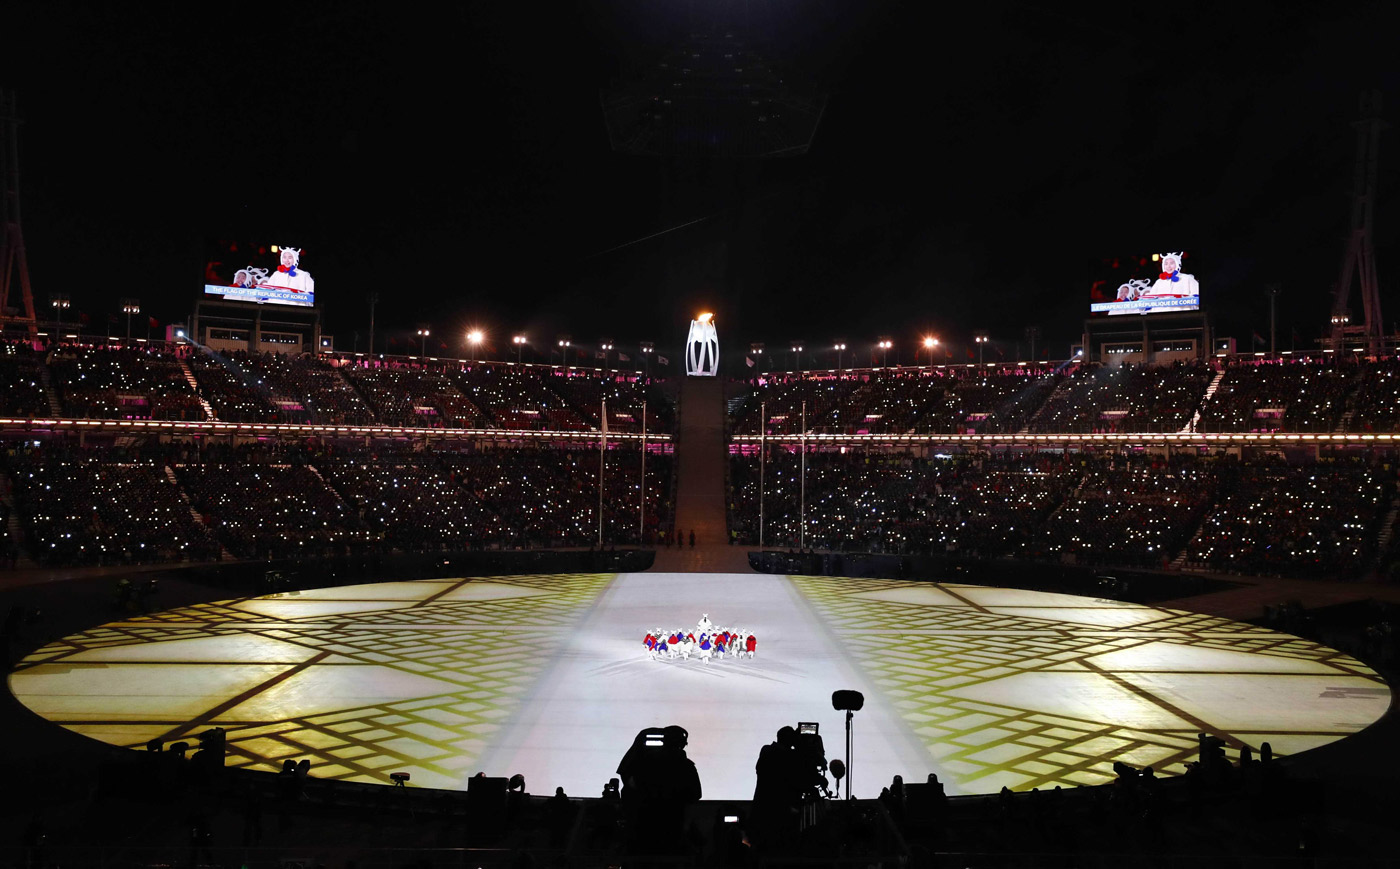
1023	689
362	680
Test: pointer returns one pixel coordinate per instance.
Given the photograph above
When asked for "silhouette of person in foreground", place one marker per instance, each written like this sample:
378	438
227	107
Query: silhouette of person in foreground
658	783
777	797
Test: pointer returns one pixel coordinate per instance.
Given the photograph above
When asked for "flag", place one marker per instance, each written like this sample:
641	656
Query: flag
1259	339
663	360
623	357
155	324
971	355
748	360
600	354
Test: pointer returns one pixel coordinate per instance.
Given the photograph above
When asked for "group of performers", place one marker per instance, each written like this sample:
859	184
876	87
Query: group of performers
705	641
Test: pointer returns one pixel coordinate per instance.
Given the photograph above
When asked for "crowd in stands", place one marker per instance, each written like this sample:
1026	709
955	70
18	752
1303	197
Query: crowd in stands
1311	521
1290	394
154	380
271	509
228	391
305	389
202	501
944	400
1125	398
122	382
1301	396
174	381
21	383
1261	516
84	509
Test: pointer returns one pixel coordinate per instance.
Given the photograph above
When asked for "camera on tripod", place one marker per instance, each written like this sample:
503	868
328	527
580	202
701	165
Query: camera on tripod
811	753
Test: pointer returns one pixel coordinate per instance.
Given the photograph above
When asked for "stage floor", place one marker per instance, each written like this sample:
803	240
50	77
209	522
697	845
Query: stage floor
546	676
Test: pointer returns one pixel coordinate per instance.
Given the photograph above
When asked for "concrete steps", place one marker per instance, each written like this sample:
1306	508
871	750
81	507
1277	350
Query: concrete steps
224	554
701	462
1210	391
194	384
50	394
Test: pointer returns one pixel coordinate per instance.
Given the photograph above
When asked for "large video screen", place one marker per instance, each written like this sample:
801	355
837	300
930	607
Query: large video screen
1146	284
261	273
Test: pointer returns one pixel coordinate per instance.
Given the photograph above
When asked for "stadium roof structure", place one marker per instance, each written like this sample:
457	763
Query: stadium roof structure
710	96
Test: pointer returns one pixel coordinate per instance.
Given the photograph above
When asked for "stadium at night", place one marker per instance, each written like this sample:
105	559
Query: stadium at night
715	433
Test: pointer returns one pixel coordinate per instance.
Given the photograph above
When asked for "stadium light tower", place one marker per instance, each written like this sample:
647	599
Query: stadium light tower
606	345
60	303
884	344
564	342
756	349
423	333
840	348
129	307
474	338
981	337
929	343
519	342
797	355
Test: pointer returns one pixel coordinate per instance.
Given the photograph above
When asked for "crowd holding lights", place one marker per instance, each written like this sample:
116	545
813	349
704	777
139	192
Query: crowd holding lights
1258	516
1125	398
202	501
271	508
80	510
1303	396
1316	521
21	380
152	380
231	394
946	400
122	383
1242	395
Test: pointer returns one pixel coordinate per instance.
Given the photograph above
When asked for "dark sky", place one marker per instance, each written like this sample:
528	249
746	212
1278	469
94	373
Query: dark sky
969	171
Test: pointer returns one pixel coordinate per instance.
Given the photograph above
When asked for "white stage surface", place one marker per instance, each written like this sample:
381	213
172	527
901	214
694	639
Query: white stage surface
547	676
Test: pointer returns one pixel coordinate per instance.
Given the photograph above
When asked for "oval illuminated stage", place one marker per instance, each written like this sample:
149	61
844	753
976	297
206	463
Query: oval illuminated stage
547	676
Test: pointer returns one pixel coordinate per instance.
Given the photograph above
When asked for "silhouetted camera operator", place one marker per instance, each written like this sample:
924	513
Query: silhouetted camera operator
791	772
658	782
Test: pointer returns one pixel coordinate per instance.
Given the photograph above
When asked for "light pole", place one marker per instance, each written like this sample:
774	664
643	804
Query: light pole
797	357
981	338
129	307
474	341
519	342
564	344
840	349
60	304
648	348
884	344
423	334
930	342
1032	334
757	351
606	346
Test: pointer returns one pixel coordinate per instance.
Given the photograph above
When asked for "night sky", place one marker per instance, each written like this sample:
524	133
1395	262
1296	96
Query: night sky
971	170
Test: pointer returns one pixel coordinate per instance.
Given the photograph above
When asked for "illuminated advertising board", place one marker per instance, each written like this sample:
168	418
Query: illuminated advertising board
1154	284
263	274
